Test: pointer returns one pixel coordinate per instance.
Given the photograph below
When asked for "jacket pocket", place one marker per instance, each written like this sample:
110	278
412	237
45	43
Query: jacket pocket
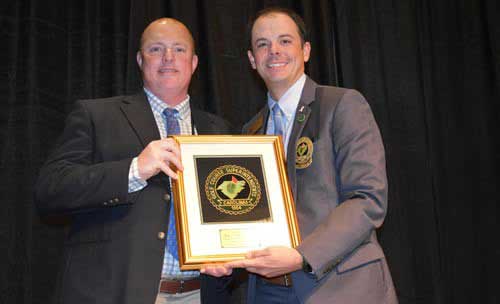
363	255
91	227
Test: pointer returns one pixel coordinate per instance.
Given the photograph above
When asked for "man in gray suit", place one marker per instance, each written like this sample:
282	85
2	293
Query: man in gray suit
336	168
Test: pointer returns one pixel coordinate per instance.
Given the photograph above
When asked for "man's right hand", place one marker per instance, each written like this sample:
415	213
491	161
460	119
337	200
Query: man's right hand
160	155
216	270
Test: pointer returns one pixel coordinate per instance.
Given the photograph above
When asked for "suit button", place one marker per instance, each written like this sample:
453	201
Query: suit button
161	235
166	197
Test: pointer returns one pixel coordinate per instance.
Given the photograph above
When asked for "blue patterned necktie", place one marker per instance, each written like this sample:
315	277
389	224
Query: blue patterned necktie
173	128
279	122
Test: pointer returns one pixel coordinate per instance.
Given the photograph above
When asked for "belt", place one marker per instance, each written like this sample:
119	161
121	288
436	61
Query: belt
179	286
282	280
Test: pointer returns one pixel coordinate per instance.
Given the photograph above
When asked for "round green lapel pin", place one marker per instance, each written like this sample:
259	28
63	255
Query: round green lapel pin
301	117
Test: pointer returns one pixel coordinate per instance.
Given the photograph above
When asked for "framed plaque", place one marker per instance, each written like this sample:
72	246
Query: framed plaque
232	197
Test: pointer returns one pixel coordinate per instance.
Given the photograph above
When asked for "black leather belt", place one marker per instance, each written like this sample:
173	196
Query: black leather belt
282	280
179	286
240	276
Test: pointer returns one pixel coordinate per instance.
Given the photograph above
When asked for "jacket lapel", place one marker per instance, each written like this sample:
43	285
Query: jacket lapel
202	122
258	124
302	116
140	116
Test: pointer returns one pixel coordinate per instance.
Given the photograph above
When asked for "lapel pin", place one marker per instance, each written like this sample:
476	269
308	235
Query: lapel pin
301	116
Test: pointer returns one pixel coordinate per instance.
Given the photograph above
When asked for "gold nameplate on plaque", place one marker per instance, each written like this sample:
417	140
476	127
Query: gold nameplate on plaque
233	238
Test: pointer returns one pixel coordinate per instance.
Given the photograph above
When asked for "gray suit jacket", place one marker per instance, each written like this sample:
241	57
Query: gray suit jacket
341	198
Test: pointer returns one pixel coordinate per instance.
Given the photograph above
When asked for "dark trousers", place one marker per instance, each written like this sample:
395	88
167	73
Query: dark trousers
263	292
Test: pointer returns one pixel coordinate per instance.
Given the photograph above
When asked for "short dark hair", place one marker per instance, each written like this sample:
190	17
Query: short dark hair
299	22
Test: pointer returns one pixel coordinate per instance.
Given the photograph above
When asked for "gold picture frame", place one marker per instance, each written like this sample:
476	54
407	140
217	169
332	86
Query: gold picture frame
233	196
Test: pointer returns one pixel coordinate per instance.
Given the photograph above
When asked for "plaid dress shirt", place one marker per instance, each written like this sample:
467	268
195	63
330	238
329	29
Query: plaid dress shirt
171	268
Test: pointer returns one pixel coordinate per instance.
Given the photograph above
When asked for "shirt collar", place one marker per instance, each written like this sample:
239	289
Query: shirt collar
290	100
158	105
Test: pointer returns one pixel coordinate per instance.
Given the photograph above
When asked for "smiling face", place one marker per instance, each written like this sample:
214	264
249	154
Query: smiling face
167	60
277	53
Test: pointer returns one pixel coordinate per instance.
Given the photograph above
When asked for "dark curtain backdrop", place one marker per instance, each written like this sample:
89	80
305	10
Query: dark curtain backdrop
430	70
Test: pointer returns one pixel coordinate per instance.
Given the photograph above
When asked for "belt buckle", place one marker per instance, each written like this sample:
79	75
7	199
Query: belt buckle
181	287
287	282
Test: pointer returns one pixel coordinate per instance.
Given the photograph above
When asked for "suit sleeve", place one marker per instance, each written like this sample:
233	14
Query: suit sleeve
72	180
361	186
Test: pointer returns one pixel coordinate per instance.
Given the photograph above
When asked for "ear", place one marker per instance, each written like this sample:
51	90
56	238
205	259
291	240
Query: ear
252	59
138	58
307	51
194	63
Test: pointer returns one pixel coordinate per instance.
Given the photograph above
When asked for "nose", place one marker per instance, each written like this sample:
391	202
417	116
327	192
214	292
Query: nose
168	55
274	49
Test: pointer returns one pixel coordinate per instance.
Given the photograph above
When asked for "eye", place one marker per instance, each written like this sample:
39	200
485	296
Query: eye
286	41
155	49
180	49
261	44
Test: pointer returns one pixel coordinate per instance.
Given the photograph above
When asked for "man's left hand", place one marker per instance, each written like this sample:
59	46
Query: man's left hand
270	262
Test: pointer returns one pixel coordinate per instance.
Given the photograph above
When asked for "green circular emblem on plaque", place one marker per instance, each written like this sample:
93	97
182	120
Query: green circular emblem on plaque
232	189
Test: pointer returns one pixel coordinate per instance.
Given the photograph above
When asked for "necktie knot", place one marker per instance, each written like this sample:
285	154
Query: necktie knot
277	109
170	113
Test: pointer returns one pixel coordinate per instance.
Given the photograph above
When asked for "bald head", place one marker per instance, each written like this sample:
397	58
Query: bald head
162	24
167	59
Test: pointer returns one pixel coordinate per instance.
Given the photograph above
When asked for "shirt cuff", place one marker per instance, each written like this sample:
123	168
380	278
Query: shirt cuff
135	183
